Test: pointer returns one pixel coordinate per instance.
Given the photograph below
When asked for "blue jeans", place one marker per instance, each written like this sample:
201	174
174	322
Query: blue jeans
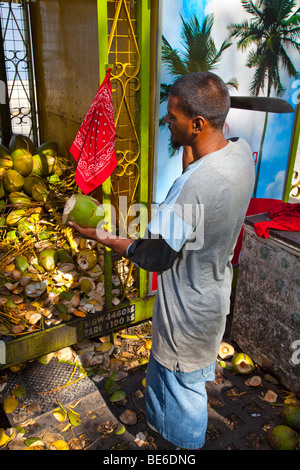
176	404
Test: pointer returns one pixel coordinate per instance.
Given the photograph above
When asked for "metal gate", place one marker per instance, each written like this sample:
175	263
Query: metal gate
126	35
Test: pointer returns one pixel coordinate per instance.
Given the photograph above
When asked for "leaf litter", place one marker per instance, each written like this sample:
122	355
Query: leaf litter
130	349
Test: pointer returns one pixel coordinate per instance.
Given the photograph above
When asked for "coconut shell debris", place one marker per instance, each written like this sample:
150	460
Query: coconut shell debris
48	274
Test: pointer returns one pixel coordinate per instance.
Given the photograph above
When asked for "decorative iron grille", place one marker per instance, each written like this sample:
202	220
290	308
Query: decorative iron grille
15	27
124	58
123	53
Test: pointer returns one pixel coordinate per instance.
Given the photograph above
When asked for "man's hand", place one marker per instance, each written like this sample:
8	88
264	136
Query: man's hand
99	234
119	245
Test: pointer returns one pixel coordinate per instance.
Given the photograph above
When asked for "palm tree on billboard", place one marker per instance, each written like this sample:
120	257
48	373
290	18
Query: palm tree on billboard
199	53
272	32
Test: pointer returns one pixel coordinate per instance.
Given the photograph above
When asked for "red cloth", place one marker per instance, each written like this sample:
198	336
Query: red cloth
94	144
285	216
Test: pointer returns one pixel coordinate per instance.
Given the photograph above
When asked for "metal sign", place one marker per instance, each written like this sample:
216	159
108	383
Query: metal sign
102	322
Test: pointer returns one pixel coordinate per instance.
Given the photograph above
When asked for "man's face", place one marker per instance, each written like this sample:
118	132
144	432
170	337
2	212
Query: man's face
180	125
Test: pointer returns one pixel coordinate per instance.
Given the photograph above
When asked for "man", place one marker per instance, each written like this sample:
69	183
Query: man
190	243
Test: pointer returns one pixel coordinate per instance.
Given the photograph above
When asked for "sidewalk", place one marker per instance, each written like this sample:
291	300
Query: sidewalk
238	416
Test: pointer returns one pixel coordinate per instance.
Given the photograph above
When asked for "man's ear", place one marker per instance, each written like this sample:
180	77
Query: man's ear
198	124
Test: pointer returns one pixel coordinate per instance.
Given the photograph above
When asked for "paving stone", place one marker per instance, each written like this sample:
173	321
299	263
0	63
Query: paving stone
238	417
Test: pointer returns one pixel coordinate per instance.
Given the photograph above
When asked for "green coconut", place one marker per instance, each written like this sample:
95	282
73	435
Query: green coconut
43	235
48	148
64	256
3	150
2	205
25	226
282	437
5	158
242	364
59	167
45	159
48	259
19	141
21	263
2	190
37	165
2	221
22	161
43	165
30	181
6	162
83	210
15	216
13	181
50	164
291	416
18	197
40	192
11	235
87	259
2	174
39	268
30	276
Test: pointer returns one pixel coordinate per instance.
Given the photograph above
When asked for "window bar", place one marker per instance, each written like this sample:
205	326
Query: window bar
5	120
15	24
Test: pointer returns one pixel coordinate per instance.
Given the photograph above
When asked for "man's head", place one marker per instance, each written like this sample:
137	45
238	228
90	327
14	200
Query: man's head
197	94
203	94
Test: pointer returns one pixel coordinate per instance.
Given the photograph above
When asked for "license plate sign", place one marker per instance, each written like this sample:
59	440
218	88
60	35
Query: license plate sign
102	322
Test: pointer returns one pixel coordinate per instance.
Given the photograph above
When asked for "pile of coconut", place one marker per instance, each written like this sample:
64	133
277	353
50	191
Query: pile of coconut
48	273
283	436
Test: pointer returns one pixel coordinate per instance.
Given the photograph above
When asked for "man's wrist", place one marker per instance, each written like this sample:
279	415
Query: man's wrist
117	244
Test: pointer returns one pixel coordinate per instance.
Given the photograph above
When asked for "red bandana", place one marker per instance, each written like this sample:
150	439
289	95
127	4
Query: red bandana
94	145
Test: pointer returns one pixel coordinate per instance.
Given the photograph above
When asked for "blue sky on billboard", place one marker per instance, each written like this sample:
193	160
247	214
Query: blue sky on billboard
246	124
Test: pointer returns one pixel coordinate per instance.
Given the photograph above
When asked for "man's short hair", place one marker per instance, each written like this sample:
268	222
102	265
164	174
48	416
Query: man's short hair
203	94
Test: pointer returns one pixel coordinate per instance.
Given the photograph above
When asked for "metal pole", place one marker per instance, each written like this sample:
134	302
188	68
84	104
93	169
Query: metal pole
5	119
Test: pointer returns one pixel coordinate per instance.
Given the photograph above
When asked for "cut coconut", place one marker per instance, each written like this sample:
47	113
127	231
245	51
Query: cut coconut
96	271
129	417
74	302
226	350
140	439
270	396
242	364
83	210
87	259
87	285
48	259
254	381
33	319
35	290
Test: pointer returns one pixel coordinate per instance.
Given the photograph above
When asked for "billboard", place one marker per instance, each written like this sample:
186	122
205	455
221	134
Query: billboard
196	36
